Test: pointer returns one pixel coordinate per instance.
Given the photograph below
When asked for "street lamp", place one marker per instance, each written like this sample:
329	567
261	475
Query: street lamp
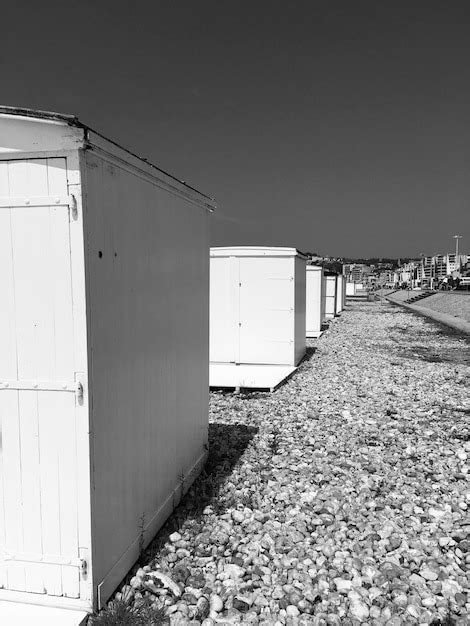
457	237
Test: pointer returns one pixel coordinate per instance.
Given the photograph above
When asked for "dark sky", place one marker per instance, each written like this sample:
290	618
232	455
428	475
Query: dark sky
337	127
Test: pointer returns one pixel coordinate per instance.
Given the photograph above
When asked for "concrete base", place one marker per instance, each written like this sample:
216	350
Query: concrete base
314	334
229	375
18	614
443	318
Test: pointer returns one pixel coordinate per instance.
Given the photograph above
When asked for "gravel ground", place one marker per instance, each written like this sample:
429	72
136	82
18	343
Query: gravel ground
340	499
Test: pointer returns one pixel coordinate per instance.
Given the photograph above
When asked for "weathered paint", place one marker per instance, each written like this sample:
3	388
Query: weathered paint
106	275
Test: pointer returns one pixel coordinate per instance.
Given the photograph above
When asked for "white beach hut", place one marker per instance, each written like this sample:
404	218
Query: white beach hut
330	295
257	315
340	293
104	261
315	300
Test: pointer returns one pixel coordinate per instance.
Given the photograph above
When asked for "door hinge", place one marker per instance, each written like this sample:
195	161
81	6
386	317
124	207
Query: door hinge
44	559
42	385
8	202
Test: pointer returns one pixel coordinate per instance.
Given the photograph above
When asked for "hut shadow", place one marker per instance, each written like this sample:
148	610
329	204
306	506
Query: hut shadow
227	443
454	355
309	354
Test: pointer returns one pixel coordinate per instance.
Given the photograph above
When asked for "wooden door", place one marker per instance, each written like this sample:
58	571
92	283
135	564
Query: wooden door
39	394
266	311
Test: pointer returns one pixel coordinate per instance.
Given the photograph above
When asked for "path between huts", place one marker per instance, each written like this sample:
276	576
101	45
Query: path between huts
339	499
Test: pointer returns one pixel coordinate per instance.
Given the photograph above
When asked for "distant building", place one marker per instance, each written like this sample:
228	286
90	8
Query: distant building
357	272
431	271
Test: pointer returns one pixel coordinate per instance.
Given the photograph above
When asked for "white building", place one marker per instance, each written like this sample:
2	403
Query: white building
257	315
104	356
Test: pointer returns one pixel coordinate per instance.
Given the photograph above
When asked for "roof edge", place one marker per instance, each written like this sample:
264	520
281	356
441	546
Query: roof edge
72	120
256	251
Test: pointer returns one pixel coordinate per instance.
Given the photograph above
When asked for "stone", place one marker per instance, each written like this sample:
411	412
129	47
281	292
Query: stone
359	610
401	600
238	516
460	598
241	605
444	541
189	598
216	603
196	581
338	516
428	601
428	574
234	571
342	585
449	588
292	611
136	583
202	607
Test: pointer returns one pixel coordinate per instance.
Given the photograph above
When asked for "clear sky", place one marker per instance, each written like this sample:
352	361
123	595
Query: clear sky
336	127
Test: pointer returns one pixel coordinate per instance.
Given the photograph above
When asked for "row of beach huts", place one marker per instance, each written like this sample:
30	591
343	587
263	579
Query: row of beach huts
264	302
104	352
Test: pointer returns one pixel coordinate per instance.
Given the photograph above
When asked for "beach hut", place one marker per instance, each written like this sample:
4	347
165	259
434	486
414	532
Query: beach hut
330	294
257	315
340	293
104	261
315	300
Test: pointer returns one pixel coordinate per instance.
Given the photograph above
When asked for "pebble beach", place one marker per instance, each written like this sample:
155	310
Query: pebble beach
341	498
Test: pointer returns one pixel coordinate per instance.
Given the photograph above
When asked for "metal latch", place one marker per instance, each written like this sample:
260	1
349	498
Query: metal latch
73	207
79	390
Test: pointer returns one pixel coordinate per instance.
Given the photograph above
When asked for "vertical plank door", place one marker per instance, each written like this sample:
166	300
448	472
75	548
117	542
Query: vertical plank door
38	457
266	310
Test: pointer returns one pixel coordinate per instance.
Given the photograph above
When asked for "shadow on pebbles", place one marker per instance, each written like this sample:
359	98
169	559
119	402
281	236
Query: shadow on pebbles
342	498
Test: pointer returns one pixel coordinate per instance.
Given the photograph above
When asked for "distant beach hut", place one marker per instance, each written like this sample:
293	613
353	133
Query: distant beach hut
257	315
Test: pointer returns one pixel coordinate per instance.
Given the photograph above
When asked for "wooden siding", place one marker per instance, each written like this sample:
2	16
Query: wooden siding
147	270
300	310
330	297
315	300
257	306
39	465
